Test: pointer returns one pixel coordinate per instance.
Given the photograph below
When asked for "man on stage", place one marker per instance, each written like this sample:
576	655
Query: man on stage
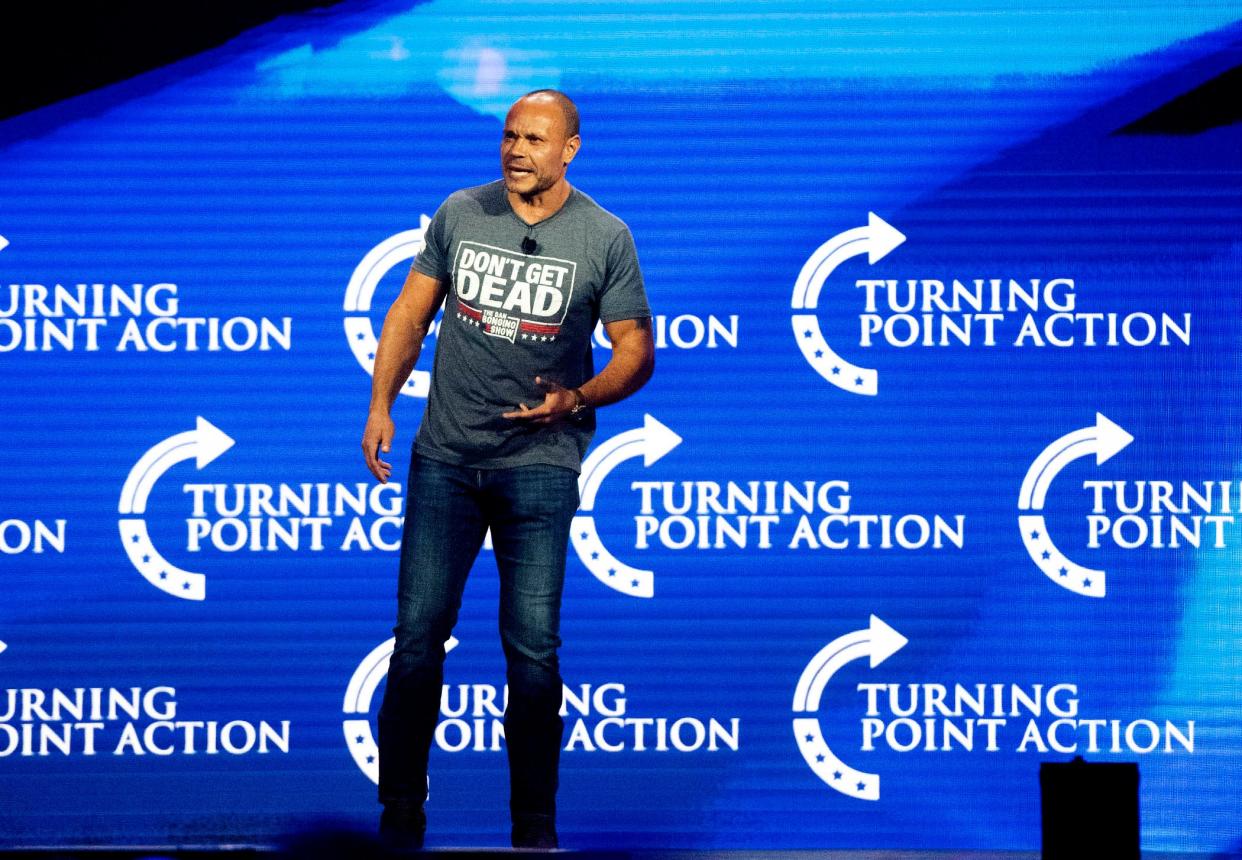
525	267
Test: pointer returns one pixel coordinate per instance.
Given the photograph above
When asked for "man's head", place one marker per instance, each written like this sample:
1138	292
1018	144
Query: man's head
539	141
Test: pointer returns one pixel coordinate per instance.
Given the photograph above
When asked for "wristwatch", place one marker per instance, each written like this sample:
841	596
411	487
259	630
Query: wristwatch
579	402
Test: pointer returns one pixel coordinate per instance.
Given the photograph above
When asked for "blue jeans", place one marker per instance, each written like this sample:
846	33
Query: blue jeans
448	511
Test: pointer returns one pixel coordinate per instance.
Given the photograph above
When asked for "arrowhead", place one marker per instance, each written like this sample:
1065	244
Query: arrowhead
883	237
423	221
3	647
1109	438
885	641
212	442
4	243
450	643
658	440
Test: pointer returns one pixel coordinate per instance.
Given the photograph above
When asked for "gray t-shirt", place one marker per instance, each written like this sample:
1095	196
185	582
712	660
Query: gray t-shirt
511	316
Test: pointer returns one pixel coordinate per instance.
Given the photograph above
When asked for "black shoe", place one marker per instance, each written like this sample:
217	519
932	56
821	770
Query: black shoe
402	826
534	831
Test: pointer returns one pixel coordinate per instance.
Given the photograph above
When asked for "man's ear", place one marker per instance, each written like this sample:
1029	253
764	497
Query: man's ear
571	149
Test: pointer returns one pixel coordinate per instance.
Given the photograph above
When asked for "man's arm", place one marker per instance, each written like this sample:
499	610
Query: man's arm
631	365
401	340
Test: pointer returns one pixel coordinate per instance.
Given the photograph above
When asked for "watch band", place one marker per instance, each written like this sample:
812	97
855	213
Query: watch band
580	402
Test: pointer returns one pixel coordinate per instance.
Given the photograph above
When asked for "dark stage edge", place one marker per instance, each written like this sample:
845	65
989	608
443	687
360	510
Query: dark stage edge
330	850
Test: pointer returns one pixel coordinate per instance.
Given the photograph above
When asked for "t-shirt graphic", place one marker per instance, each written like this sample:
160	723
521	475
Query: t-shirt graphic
510	295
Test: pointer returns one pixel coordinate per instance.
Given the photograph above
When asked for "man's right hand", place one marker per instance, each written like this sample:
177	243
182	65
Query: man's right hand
377	437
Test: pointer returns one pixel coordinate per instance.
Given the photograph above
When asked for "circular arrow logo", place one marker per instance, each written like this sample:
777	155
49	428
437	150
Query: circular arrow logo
877	643
651	442
358	695
203	444
1103	440
875	240
377	263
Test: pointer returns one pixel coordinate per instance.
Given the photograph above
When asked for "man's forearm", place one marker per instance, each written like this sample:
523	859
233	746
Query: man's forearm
401	341
631	365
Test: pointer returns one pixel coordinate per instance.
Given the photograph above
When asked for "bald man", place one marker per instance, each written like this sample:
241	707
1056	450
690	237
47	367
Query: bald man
525	267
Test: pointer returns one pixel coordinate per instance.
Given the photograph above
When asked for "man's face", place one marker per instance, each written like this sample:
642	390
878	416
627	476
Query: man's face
534	150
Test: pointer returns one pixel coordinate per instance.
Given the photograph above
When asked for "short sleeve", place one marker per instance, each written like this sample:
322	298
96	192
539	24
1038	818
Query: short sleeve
623	296
432	260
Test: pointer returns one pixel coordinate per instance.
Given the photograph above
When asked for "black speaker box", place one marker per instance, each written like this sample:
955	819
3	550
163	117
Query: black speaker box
1090	810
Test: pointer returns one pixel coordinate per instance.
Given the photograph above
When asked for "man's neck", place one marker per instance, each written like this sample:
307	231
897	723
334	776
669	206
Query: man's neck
539	206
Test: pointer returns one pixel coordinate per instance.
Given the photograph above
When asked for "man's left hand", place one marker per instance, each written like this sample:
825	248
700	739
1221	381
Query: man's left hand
558	403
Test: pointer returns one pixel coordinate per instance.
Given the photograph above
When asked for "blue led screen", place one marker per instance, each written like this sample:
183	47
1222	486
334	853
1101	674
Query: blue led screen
937	478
